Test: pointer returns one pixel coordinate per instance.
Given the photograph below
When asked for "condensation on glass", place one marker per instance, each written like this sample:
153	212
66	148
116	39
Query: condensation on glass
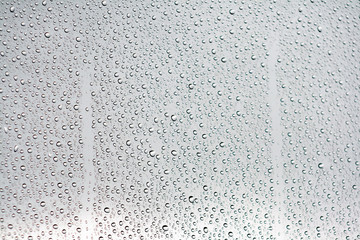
179	119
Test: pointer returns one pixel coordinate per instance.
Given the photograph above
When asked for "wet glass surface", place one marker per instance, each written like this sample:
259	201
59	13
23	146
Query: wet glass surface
179	119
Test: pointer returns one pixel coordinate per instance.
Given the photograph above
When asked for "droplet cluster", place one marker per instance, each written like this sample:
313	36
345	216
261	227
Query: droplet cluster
179	119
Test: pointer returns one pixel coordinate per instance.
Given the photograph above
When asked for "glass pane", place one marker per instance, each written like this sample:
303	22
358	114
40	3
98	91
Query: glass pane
179	119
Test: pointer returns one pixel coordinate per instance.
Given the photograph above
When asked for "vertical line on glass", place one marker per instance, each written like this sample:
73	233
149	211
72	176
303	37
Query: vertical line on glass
277	161
88	224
